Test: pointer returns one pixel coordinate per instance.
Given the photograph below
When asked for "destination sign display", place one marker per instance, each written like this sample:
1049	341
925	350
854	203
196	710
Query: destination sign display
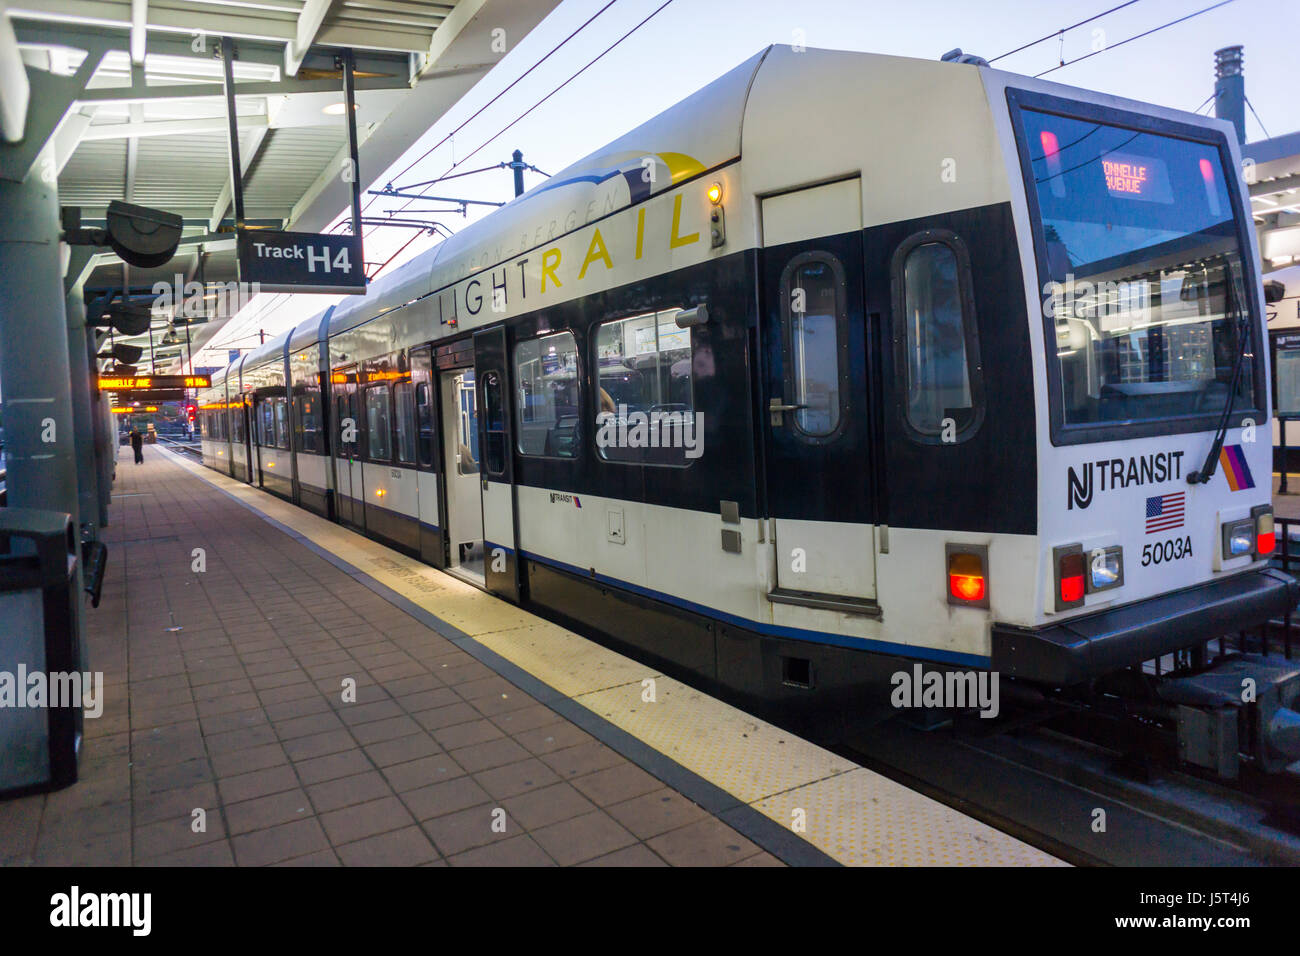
301	262
134	383
1129	176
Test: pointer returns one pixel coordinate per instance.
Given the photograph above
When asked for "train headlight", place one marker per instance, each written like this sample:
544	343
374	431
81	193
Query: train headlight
1239	538
968	575
1070	580
1265	538
1105	569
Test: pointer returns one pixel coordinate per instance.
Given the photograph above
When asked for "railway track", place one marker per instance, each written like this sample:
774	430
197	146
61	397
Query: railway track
1085	802
193	449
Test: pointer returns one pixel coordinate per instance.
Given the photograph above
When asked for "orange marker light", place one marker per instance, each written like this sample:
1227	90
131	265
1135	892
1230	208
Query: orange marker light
966	577
715	193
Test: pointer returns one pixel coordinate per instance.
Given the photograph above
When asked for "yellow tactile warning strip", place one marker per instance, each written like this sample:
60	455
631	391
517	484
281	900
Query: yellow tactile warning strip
852	814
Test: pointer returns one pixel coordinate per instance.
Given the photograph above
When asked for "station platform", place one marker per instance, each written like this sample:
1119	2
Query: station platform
480	734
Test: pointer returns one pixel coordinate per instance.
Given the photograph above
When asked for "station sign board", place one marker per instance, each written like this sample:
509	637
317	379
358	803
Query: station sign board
1286	373
154	395
301	262
138	383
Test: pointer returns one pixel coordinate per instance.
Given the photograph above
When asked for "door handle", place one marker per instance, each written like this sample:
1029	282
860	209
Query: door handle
777	407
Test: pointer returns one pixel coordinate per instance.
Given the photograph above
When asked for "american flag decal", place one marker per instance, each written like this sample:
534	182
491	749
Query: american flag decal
1165	512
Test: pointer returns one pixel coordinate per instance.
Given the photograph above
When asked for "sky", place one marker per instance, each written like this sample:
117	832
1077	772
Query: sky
688	43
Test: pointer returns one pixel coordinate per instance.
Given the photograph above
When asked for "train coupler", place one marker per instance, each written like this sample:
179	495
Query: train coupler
1243	705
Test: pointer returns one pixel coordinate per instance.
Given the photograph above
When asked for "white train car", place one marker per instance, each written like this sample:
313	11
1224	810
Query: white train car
846	362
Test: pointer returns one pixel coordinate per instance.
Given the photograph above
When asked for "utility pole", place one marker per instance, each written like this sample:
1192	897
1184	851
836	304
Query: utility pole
1230	89
518	165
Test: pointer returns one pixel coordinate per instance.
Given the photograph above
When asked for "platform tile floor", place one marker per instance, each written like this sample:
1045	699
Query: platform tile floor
224	694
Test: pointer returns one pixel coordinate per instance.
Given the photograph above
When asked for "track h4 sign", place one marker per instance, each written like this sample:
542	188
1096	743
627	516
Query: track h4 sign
301	262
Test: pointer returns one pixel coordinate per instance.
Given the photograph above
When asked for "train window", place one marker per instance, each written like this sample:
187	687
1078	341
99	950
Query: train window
424	417
547	397
467	420
281	423
379	403
403	394
308	425
345	424
816	339
494	424
940	353
266	423
646	402
1144	277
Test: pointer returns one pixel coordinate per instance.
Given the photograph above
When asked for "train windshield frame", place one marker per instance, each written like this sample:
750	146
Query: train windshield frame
1145	272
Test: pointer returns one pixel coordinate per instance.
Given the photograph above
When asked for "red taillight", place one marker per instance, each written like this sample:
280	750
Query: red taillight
1070	584
967	583
1265	534
967	587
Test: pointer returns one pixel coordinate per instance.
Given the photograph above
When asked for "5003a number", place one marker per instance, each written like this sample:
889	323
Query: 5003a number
1172	550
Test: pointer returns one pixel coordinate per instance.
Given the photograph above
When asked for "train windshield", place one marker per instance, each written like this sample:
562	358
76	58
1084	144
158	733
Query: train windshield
1145	282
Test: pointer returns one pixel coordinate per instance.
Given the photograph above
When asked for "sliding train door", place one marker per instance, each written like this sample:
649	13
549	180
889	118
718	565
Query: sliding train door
349	496
502	565
432	522
462	530
816	409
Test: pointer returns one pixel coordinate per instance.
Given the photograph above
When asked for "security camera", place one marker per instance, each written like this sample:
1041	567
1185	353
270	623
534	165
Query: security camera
1274	291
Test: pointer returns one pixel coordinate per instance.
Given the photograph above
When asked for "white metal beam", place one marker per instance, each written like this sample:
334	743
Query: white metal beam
15	92
67	136
196	19
309	23
247	153
139	30
215	124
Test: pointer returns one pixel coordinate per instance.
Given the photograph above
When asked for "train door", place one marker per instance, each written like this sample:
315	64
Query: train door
263	435
246	436
347	458
816	411
432	547
463	531
501	572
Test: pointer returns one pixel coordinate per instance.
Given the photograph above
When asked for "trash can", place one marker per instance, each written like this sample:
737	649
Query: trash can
40	651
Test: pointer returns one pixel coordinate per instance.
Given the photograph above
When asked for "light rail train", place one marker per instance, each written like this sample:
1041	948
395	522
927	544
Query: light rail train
845	363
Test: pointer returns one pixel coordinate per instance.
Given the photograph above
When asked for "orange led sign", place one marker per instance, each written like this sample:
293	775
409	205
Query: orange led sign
127	383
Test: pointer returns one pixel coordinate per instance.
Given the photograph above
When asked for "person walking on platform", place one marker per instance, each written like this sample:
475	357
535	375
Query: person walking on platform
137	445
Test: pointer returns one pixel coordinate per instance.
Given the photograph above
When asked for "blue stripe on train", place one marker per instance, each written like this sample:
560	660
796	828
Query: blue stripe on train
770	630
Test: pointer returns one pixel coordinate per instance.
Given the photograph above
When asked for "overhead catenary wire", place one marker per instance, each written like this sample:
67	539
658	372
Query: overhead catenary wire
1063	30
515	82
590	63
1138	36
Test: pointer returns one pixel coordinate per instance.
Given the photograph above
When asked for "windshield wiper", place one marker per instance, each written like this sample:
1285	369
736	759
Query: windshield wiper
1206	471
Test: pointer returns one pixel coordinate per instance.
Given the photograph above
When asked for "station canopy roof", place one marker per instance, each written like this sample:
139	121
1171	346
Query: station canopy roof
128	96
1273	175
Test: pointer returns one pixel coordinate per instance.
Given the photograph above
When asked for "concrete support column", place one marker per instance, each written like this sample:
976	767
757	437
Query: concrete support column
80	341
40	428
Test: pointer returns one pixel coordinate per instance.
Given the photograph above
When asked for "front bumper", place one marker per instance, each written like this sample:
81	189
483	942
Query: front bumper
1083	648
